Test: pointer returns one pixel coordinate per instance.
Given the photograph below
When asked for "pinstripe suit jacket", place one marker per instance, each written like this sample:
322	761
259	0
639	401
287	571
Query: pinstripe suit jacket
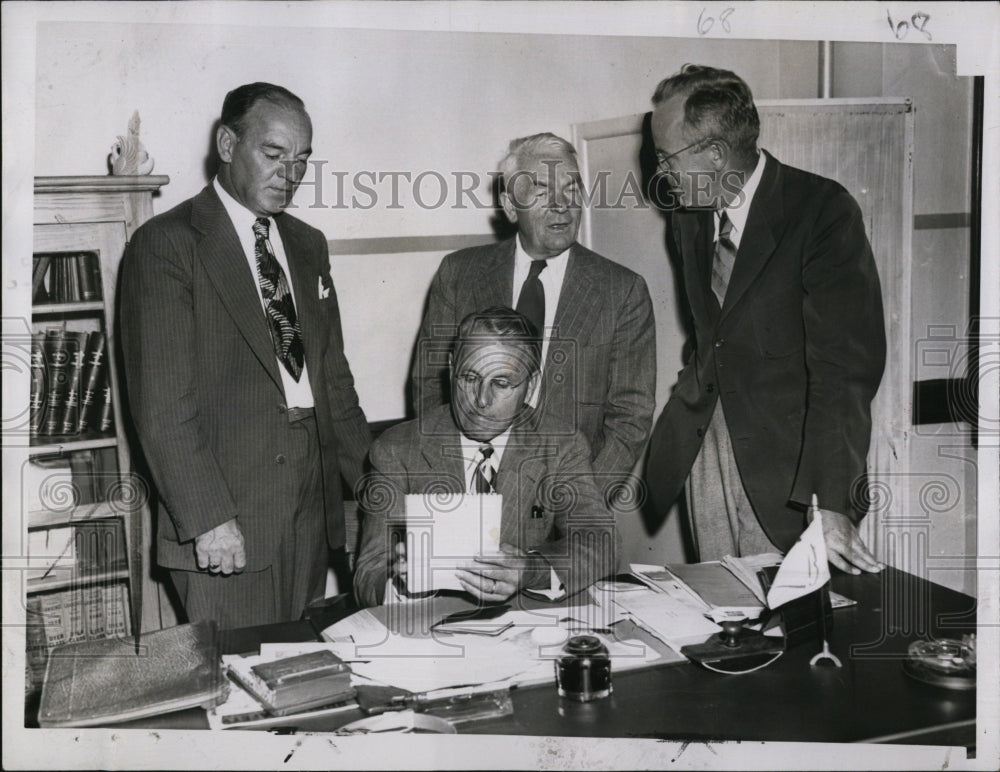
204	388
600	370
550	502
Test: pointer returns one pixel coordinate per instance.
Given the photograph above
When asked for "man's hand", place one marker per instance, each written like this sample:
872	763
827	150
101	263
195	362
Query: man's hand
844	547
221	550
496	578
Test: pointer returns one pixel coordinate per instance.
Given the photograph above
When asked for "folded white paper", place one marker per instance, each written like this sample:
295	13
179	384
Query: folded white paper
444	533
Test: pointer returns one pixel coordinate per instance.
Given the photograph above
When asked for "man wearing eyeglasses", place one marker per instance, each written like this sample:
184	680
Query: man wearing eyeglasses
556	534
774	405
595	316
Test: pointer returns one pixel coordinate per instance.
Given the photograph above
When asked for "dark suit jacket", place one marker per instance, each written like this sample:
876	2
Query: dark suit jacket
600	371
796	354
575	531
204	388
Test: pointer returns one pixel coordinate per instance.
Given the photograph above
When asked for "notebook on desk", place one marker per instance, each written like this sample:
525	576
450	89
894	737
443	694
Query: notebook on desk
105	682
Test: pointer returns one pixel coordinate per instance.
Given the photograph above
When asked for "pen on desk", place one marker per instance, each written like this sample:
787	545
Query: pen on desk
422	698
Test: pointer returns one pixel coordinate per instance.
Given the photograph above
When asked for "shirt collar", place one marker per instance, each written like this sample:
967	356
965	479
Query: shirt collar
738	214
556	266
471	447
242	218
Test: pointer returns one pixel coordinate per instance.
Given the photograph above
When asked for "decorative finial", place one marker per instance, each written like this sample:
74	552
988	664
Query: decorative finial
128	156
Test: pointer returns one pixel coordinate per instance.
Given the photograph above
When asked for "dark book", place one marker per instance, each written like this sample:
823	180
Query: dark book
298	683
39	270
92	382
107	410
88	270
72	278
39	385
81	465
76	345
57	358
106	682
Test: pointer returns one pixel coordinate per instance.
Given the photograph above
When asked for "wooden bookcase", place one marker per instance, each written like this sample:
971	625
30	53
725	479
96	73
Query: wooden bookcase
83	496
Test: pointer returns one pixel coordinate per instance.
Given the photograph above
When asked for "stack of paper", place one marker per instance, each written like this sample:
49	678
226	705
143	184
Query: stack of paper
672	621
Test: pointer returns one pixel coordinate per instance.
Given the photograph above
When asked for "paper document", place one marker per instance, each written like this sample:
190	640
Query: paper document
444	534
661	580
720	588
672	621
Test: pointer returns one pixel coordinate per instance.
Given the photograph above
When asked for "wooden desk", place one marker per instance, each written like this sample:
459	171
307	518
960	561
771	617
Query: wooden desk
869	699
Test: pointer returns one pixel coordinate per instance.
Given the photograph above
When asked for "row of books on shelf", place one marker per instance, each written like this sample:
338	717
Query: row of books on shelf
66	278
70	388
74	552
86	613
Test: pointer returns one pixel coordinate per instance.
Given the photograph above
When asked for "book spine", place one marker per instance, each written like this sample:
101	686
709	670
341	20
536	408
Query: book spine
88	268
57	363
76	348
52	618
81	465
40	269
107	410
72	278
93	604
38	394
74	618
92	382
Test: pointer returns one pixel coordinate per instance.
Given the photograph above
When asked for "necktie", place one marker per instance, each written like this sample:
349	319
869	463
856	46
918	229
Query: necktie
484	477
724	259
281	318
531	301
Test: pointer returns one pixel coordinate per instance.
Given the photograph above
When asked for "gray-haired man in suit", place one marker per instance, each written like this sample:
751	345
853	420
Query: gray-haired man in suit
241	395
557	535
599	348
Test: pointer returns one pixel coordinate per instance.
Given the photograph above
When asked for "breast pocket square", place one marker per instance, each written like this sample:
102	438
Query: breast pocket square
325	285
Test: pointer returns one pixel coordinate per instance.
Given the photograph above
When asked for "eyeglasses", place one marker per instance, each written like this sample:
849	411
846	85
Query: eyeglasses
499	387
663	159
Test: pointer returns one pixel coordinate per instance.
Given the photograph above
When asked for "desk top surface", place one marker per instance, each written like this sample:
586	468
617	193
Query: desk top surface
869	698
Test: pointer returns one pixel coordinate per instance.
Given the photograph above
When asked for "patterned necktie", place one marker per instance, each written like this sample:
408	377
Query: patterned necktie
531	301
281	318
485	477
724	259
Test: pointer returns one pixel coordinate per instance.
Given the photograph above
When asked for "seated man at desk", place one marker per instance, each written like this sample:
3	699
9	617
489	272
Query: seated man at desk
556	535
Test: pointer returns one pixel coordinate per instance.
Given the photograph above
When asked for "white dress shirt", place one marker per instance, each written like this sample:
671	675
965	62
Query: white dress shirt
297	393
738	214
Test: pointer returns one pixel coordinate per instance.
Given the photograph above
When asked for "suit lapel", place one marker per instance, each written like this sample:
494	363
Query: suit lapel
578	297
222	256
758	242
521	467
496	287
696	253
441	449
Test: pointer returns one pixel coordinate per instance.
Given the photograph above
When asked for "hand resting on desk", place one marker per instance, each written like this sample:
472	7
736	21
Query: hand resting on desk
844	546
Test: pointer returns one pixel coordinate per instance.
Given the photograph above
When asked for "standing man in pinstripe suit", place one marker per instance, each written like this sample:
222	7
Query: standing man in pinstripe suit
242	398
599	348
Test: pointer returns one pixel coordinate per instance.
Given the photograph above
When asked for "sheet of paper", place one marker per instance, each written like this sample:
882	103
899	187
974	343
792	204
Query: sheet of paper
444	533
672	621
661	580
719	588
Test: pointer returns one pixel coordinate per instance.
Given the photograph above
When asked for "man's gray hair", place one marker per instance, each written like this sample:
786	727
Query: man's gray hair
545	145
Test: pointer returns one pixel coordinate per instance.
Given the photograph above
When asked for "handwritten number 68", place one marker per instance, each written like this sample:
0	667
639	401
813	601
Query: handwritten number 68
705	23
918	21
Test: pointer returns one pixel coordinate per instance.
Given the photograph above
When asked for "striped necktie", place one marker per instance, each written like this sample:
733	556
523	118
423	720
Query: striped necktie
724	259
281	318
484	478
